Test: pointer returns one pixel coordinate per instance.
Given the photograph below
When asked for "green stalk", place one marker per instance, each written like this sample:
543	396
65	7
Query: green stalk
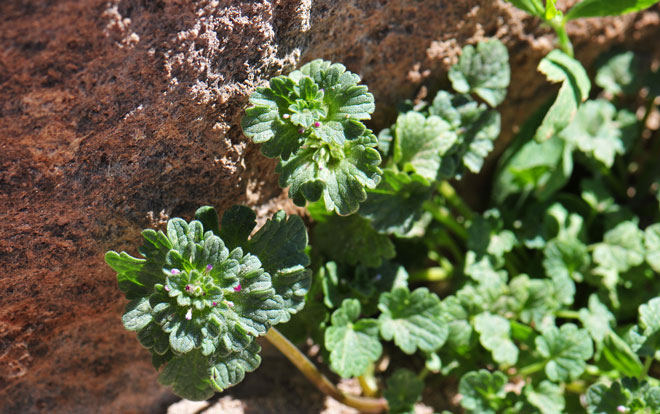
309	370
532	368
562	36
647	365
567	314
449	193
443	215
368	382
431	274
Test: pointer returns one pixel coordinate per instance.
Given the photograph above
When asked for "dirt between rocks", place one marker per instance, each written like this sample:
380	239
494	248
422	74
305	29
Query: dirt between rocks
117	114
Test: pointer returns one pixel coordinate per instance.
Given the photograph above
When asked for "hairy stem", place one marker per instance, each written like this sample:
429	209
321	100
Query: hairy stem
562	36
309	370
449	193
443	216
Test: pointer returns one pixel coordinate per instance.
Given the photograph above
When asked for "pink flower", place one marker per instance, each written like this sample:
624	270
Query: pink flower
317	124
209	267
189	314
175	271
238	288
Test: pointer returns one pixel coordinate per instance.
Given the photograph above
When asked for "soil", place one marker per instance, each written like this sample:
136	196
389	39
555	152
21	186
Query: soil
117	114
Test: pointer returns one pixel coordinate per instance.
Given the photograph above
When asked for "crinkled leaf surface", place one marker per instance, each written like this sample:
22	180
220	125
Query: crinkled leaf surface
352	240
627	395
396	204
565	350
597	318
229	370
596	131
559	67
403	390
483	70
482	391
414	320
311	120
652	245
495	335
619	74
420	143
547	397
188	375
353	343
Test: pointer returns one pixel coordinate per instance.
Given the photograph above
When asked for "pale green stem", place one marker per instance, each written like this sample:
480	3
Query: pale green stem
647	365
443	215
567	314
449	193
368	382
309	370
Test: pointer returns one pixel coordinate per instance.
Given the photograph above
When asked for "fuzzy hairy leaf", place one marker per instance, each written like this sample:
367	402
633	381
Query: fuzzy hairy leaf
311	120
483	70
495	335
229	370
352	240
353	343
403	390
414	320
396	204
627	395
547	397
652	245
619	74
597	319
565	350
597	131
188	376
420	143
559	67
482	391
598	8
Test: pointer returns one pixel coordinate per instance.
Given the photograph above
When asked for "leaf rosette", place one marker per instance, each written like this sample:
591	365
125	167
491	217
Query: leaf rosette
199	302
311	120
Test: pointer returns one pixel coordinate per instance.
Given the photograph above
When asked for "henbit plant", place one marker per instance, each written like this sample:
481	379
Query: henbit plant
557	19
311	121
544	303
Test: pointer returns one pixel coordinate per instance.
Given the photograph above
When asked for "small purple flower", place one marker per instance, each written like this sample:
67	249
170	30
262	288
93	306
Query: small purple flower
286	116
209	267
167	288
188	287
317	124
229	303
622	409
322	90
215	303
301	130
175	271
189	314
238	288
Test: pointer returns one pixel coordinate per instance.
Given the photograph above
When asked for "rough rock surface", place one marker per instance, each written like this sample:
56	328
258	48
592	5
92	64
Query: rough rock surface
116	114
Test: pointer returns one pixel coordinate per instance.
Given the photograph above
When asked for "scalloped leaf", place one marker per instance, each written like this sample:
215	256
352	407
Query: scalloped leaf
188	376
482	391
228	370
403	390
397	203
483	70
495	336
565	350
353	343
414	320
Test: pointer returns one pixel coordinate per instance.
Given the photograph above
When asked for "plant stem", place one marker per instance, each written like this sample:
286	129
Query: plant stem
431	274
647	365
309	370
567	314
443	215
532	368
368	382
564	41
449	193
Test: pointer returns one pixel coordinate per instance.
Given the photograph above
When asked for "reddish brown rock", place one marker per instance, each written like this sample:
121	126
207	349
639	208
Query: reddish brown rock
117	114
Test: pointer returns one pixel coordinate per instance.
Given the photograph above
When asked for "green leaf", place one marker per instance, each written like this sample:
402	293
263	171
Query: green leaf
559	67
539	167
237	225
566	258
536	300
597	196
596	131
618	353
649	317
626	395
414	320
597	319
477	127
598	8
311	120
338	175
547	397
421	142
137	315
533	7
229	370
353	343
495	335
565	350
403	390
482	392
483	71
352	240
652	245
396	204
619	73
188	376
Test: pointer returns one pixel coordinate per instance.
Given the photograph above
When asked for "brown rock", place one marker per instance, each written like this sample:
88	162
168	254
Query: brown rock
116	114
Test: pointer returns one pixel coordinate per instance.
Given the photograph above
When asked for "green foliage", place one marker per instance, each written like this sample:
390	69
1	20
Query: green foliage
565	351
198	303
627	395
620	74
353	343
483	392
597	8
403	390
312	120
483	70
